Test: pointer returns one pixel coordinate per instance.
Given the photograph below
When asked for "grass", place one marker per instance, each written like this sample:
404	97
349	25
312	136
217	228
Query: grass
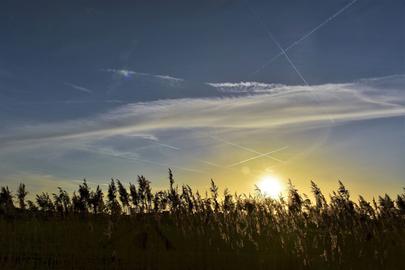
134	228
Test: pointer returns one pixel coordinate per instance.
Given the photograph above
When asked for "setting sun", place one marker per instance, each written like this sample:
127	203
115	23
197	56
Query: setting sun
270	186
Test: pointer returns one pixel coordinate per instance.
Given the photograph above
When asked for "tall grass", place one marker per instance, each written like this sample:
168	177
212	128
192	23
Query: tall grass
135	228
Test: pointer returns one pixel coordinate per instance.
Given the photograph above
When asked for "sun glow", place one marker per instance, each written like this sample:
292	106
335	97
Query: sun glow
270	186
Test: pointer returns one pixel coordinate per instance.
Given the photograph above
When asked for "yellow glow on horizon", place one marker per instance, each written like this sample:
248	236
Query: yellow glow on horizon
270	186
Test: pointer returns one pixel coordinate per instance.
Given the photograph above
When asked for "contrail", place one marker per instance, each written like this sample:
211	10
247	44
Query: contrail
68	102
245	148
121	156
172	147
79	88
210	163
154	162
258	156
305	36
288	58
283	52
168	146
154	143
273	39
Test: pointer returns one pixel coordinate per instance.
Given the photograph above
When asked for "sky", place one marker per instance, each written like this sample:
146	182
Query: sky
229	90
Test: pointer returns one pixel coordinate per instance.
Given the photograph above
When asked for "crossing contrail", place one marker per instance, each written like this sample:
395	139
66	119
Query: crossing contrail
245	148
305	36
258	156
283	52
274	40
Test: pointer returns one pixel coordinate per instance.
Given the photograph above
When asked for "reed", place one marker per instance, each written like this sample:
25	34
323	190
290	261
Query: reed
177	228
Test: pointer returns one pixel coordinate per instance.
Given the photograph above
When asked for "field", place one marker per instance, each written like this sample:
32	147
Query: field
135	228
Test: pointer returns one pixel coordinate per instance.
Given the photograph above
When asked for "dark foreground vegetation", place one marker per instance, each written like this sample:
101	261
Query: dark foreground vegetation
180	229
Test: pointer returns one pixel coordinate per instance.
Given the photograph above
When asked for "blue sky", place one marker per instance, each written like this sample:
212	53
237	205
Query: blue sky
307	90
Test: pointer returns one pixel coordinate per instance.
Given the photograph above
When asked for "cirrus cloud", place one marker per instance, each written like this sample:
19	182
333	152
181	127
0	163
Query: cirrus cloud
270	107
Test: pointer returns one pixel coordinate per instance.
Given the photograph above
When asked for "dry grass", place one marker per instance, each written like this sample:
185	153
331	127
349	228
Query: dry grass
180	229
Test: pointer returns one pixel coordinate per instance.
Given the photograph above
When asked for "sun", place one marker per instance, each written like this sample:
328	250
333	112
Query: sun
270	186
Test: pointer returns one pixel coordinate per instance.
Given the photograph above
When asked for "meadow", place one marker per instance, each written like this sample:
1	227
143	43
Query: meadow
132	227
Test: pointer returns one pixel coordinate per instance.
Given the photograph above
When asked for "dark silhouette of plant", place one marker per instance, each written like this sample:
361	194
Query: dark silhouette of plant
96	200
201	230
112	203
401	203
295	200
84	196
386	205
44	202
62	201
21	194
144	193
173	197
6	200
214	195
134	198
341	202
31	206
228	204
320	200
123	195
365	209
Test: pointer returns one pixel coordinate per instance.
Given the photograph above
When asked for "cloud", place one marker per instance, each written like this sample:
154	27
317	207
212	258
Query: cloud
129	73
179	133
280	106
79	88
247	87
167	77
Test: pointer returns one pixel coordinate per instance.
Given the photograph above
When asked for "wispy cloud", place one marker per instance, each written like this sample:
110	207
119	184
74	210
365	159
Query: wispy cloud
289	106
79	88
129	73
178	133
247	87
